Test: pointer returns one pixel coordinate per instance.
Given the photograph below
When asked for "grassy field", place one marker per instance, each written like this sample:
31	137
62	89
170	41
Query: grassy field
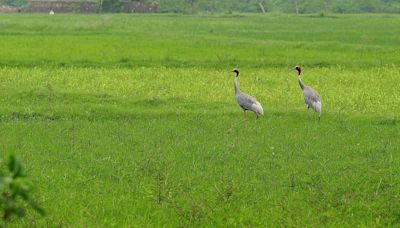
129	120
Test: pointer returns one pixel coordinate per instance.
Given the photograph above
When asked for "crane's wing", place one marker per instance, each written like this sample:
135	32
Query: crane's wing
311	95
245	101
249	99
315	97
312	99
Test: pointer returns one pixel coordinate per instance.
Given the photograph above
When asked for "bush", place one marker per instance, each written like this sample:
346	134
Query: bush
15	190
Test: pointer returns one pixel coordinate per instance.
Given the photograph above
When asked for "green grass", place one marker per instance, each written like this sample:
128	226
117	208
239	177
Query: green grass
207	41
130	120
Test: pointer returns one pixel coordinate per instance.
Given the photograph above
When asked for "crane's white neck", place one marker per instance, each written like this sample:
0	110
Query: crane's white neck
236	85
300	82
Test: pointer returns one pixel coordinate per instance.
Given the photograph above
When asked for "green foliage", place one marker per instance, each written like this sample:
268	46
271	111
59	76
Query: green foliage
110	6
13	2
229	6
304	6
14	187
114	6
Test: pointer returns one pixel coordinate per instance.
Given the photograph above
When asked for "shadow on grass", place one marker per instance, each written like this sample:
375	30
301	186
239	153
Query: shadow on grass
388	122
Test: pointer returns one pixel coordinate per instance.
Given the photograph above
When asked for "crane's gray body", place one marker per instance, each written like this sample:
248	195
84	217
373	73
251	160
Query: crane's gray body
247	102
311	97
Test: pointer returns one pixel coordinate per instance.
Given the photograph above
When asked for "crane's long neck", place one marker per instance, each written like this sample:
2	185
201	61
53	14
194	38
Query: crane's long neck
300	82
236	85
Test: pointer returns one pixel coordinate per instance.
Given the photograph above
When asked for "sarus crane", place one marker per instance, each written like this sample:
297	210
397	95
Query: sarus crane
246	102
311	97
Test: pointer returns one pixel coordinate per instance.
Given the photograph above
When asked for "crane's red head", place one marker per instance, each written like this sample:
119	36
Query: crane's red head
236	70
298	69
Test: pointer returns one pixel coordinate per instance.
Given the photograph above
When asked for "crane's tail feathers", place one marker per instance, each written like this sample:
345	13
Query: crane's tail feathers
258	108
318	107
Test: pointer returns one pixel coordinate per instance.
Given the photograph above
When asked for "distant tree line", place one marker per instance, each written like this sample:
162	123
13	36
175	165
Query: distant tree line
226	6
284	6
13	2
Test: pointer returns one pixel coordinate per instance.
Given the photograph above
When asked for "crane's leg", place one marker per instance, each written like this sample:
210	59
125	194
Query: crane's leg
244	113
257	115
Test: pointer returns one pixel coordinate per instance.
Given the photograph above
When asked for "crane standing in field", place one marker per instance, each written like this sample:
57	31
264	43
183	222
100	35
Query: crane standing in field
245	101
311	97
